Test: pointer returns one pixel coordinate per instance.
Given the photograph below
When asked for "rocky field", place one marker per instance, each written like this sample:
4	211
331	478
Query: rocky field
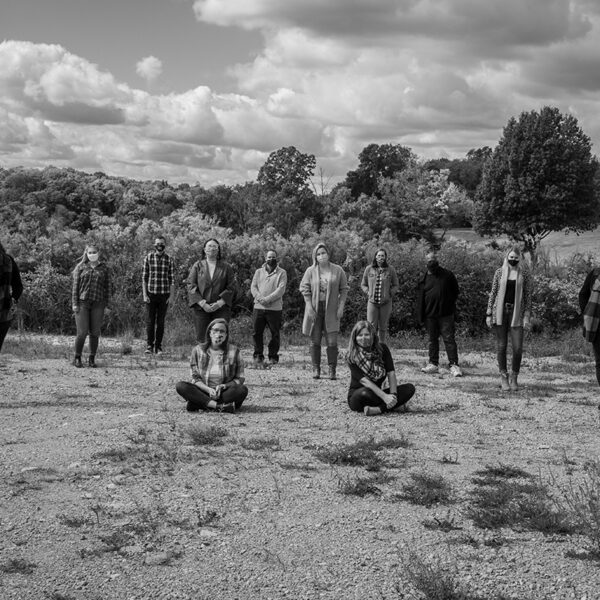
111	490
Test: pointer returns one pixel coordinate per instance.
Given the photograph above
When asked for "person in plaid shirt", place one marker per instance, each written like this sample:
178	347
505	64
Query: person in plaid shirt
158	288
91	289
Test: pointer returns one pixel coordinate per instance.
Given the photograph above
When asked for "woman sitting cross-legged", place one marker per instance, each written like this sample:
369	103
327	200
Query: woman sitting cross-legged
217	373
370	364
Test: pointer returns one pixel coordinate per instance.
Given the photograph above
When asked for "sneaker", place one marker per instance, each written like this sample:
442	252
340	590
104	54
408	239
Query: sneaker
227	408
455	371
430	368
149	350
371	411
158	352
259	363
273	362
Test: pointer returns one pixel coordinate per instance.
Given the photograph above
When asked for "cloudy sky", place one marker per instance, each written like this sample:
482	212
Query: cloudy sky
202	91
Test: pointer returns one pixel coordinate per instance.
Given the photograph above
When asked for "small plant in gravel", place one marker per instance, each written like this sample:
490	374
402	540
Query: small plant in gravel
261	443
363	486
445	524
73	521
115	540
426	489
438	582
18	565
503	499
207	435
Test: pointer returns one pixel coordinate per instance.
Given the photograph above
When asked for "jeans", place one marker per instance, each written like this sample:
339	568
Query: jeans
202	319
197	399
365	397
319	329
596	347
379	316
88	320
516	339
156	310
271	319
4	327
444	326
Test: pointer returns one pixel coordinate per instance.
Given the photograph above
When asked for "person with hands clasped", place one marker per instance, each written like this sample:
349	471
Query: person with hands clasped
217	373
158	291
211	288
509	311
324	287
371	364
91	290
267	288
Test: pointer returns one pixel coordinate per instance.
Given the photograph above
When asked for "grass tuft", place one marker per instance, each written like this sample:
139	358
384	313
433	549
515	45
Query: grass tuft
426	489
363	486
203	435
18	565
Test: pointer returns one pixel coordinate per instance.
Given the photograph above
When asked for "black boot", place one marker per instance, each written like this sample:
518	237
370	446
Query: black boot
77	362
92	361
315	357
332	356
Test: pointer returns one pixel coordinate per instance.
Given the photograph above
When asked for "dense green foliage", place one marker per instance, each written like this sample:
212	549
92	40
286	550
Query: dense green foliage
540	178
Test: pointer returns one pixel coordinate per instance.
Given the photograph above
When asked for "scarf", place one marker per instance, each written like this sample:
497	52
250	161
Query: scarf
591	313
516	316
370	363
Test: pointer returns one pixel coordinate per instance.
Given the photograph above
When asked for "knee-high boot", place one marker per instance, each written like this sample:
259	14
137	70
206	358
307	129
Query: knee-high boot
315	357
332	356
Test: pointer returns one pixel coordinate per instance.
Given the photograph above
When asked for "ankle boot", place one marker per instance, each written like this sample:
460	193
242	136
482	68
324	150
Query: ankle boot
504	382
315	357
513	384
332	356
92	361
77	362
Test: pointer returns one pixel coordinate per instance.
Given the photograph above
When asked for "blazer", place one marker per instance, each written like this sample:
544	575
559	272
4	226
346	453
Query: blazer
200	285
337	291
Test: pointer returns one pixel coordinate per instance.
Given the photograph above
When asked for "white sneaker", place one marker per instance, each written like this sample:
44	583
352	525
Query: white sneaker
431	368
455	371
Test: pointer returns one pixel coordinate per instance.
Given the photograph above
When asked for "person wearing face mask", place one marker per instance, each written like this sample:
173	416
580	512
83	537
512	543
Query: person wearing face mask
324	287
217	373
90	293
589	303
508	311
267	288
211	288
437	293
158	291
380	283
11	288
371	364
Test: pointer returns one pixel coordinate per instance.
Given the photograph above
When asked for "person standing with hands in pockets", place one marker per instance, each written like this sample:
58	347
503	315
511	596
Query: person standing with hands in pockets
158	289
267	288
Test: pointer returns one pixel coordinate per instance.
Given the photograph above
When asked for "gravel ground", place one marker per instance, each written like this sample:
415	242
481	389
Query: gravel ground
104	495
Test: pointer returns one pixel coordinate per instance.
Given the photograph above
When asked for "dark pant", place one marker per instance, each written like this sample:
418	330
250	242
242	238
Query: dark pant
443	326
271	319
516	339
595	346
4	327
156	310
88	321
202	319
197	399
365	397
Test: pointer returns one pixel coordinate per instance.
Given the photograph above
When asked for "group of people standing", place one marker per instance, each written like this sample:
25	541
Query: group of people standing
216	365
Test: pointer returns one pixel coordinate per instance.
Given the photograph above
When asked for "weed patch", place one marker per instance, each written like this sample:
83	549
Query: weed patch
362	453
363	486
261	443
426	489
18	565
204	435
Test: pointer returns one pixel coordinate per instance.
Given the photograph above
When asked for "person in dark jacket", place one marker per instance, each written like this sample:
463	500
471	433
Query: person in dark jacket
589	303
11	289
436	303
211	288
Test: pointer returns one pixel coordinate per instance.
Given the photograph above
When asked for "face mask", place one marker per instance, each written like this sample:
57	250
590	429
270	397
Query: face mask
272	262
432	264
159	247
92	256
513	262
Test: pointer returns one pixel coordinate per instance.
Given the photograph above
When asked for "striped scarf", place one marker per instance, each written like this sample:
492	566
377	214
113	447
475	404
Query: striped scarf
591	313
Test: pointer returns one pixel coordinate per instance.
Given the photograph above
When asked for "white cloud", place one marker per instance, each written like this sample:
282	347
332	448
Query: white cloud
149	68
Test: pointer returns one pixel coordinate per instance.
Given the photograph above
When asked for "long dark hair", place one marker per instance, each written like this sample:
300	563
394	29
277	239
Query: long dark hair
385	262
353	348
216	242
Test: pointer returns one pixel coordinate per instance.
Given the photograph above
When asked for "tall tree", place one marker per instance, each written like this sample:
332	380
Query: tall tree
376	162
287	170
540	178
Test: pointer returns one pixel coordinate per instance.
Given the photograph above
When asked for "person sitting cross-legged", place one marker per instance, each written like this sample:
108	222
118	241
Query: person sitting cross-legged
370	365
217	373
